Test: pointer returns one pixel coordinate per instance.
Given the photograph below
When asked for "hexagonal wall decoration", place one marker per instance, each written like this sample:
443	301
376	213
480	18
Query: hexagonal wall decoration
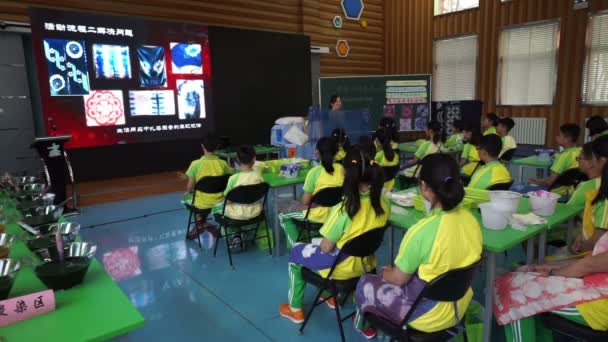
342	48
352	9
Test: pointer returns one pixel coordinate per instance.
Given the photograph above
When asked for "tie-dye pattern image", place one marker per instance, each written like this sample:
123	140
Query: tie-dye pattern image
191	99
186	58
152	70
104	108
151	102
112	61
67	67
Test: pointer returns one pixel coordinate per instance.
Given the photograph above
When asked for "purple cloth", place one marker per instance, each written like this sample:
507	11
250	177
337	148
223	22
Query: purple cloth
376	295
311	256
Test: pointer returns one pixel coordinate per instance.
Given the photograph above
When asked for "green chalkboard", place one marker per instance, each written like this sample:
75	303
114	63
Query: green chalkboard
406	98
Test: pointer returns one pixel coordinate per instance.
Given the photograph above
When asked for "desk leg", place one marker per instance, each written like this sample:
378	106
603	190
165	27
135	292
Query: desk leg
277	226
487	312
521	174
570	231
530	252
542	247
295	192
391	244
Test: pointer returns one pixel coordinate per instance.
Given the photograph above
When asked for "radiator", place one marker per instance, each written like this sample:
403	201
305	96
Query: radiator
529	131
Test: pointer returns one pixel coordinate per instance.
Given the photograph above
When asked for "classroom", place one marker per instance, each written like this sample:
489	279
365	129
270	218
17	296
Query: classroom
289	170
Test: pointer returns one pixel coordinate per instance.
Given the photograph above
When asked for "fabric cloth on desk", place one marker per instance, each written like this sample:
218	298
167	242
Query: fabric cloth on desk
521	221
490	174
524	294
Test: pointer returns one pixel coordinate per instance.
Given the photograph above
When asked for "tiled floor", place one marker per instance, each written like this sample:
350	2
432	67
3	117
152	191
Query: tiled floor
185	294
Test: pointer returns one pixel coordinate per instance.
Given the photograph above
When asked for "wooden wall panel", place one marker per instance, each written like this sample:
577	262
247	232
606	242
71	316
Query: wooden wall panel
411	27
310	17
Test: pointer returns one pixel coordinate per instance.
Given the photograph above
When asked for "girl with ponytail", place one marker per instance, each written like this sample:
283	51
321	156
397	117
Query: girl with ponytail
363	208
328	174
340	137
436	139
385	156
448	238
388	125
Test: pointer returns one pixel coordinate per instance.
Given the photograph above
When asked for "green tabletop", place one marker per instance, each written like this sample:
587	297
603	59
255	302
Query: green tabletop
494	240
410	147
275	180
259	149
97	310
532	161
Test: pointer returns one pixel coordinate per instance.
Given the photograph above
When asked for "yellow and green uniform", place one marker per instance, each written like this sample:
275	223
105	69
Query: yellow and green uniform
382	161
435	245
316	179
563	162
490	174
207	166
578	197
340	155
394	145
243	211
427	147
491	130
339	228
508	143
470	154
454	140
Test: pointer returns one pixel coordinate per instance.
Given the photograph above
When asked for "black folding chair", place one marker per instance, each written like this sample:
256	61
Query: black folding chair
570	177
572	329
501	186
508	155
362	246
327	197
208	185
243	195
390	172
448	287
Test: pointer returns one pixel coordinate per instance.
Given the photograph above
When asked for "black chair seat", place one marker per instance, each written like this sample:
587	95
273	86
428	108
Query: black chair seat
196	210
573	329
313	226
315	279
393	329
229	222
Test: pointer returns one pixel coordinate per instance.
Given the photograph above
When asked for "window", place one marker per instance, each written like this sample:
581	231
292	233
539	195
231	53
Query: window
595	79
448	6
527	65
455	68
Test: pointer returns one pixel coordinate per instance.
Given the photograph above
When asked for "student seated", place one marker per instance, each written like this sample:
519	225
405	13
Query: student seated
493	172
385	156
586	165
597	126
340	137
595	214
565	160
449	238
326	175
456	138
489	123
388	124
436	139
363	208
565	278
505	125
469	159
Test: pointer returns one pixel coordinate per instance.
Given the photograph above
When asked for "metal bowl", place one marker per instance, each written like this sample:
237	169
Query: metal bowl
71	250
8	271
43	215
68	230
21	181
71	272
35	188
6	240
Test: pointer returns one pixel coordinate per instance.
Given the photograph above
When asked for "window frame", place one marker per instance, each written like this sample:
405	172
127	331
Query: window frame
436	2
556	64
587	51
464	35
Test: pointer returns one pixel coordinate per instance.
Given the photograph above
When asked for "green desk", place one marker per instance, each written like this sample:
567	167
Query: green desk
259	150
97	310
277	182
530	161
411	148
494	242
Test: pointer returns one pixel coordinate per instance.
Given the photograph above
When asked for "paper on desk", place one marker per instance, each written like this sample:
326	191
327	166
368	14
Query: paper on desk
398	210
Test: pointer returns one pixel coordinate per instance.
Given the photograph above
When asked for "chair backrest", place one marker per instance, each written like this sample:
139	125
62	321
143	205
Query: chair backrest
501	186
390	172
448	287
508	155
248	194
569	178
327	197
212	184
365	244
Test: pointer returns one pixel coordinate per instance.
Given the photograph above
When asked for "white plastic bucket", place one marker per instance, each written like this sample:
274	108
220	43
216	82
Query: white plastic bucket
492	217
543	203
505	200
